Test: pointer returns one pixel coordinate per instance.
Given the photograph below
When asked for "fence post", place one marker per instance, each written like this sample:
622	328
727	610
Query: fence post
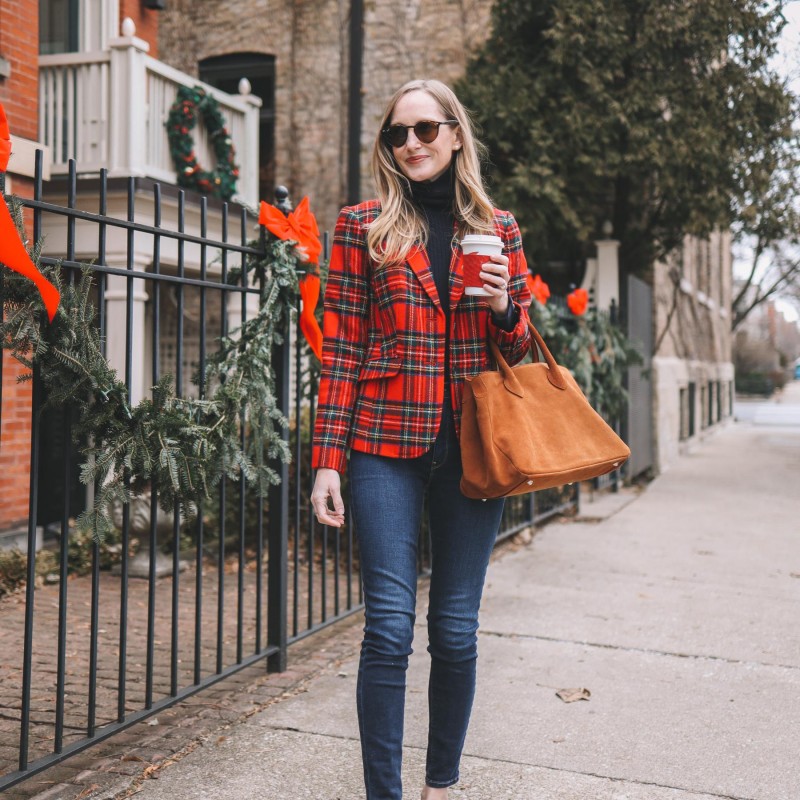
248	178
278	503
128	79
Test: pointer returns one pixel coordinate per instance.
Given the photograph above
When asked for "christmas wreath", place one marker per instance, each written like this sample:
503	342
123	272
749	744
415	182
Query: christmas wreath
190	104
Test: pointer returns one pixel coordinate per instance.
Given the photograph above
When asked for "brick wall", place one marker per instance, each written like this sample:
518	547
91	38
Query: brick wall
15	443
15	421
309	42
145	19
19	45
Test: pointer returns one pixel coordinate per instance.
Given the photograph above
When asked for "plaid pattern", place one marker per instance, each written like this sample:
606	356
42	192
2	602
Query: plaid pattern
382	383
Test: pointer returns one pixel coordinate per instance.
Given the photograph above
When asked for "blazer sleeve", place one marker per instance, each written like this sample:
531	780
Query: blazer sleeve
514	344
344	328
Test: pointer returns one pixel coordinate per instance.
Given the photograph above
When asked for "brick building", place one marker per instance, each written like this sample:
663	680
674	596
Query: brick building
80	80
19	50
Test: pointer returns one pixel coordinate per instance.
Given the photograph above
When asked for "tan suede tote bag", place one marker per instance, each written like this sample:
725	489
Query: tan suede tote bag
530	427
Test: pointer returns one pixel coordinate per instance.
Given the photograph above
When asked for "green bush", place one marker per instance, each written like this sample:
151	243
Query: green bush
14	563
754	383
594	348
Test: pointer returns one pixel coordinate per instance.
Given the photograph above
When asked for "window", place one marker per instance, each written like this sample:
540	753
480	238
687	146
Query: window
712	403
224	73
687	401
703	407
58	26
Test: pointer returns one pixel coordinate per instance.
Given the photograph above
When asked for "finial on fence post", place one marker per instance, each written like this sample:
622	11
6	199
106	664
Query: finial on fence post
282	200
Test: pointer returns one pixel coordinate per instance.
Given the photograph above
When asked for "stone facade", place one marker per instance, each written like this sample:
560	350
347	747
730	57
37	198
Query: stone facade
308	39
692	370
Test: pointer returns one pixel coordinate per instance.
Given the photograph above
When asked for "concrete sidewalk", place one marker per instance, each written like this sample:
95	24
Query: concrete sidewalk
679	613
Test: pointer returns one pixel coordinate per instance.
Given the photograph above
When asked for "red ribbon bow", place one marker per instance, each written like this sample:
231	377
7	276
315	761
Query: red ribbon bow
539	289
578	301
300	226
12	250
309	293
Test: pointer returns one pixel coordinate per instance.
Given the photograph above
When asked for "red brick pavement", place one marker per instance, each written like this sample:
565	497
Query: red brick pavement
220	703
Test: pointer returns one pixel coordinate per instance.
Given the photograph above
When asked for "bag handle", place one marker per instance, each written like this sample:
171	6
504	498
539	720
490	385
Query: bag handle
510	379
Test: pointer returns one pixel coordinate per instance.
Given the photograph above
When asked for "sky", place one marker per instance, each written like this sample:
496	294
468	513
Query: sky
789	64
790	42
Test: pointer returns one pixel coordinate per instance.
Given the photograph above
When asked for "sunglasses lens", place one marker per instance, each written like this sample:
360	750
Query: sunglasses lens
396	135
426	131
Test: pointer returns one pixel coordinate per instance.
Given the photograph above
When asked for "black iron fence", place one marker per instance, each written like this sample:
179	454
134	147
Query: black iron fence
93	648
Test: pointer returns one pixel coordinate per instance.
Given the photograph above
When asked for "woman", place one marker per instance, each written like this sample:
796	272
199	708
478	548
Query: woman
400	338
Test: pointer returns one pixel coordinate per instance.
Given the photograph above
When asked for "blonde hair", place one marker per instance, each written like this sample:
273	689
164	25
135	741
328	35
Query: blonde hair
401	225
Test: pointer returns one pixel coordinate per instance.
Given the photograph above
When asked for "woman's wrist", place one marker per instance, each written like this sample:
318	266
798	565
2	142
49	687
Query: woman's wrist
500	308
507	319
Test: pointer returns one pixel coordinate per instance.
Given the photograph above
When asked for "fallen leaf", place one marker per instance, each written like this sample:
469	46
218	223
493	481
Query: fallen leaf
571	695
132	758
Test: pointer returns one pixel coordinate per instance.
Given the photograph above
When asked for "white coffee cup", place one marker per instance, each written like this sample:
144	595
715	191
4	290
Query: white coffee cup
476	249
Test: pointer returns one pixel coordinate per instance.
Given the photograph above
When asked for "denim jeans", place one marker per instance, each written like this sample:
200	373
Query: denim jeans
387	501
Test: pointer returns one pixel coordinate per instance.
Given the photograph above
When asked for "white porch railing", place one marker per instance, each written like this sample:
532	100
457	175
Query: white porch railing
108	109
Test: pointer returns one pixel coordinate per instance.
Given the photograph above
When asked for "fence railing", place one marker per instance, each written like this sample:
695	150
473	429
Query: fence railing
100	648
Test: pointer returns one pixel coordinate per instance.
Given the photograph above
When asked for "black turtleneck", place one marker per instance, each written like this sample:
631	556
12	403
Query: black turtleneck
435	199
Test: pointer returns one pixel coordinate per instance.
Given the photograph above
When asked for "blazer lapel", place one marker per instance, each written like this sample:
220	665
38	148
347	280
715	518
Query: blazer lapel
419	262
456	277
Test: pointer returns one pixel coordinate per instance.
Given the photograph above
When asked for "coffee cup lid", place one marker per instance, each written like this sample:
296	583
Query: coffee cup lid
481	238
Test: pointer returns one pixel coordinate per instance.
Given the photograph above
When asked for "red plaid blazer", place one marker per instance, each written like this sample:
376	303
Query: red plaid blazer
382	384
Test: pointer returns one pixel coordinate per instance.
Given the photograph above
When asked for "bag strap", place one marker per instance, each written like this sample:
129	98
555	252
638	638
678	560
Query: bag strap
510	379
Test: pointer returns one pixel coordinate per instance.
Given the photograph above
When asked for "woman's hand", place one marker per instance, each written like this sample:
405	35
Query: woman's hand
328	484
495	279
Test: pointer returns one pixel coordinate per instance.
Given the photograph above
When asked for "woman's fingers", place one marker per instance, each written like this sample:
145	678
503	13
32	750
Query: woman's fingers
328	485
495	275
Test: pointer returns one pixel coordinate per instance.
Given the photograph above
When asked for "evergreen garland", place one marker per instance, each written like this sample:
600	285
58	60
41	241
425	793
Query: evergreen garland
189	104
182	446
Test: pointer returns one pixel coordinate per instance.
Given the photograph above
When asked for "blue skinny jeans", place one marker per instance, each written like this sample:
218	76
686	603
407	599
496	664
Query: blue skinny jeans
387	501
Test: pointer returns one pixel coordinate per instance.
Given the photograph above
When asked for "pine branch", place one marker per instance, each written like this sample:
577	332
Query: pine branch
182	446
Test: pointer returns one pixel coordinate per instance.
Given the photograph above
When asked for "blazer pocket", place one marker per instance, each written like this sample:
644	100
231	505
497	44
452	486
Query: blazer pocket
378	368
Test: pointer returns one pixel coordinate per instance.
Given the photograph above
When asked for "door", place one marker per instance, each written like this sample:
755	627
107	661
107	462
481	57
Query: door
639	417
